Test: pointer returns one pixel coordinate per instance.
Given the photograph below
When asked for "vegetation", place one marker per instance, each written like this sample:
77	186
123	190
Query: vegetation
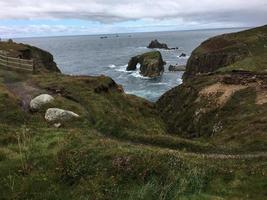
126	148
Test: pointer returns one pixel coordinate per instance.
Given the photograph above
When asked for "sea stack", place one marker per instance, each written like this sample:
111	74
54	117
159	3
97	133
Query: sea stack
155	44
151	64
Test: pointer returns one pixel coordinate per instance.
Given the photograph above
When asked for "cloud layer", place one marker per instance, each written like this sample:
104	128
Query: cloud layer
238	12
113	10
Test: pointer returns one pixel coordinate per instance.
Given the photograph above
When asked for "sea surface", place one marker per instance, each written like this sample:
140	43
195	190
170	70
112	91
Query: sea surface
91	55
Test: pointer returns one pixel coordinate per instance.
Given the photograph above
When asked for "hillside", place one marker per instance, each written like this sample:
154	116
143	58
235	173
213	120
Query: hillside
225	100
246	50
124	147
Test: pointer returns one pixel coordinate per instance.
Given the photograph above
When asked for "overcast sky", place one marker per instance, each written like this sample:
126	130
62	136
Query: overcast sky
23	18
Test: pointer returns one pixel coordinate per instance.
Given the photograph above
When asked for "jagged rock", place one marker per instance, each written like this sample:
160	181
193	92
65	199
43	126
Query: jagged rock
59	115
40	100
151	64
176	68
155	44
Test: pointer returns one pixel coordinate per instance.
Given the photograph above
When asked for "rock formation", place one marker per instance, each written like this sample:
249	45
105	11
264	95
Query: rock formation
155	44
151	64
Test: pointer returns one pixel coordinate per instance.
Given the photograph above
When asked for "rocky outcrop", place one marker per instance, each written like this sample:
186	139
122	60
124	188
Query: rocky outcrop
151	64
155	44
174	68
216	53
43	60
59	115
40	101
210	62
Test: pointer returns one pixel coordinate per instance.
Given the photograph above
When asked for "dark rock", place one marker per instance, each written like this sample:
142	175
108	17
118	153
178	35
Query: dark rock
155	44
132	63
151	64
182	55
174	68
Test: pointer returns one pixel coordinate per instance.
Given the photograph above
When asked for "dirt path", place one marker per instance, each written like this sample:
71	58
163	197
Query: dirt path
219	156
24	92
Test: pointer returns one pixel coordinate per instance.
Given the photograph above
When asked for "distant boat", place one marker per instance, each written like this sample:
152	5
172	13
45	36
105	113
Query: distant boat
103	37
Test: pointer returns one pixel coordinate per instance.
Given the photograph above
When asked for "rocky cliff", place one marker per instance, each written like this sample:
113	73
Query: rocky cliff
228	50
43	60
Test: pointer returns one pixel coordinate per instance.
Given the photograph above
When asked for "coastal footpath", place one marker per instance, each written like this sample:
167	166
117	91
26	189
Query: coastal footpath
205	139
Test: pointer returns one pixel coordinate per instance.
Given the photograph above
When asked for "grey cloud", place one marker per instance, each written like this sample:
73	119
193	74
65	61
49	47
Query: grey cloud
109	11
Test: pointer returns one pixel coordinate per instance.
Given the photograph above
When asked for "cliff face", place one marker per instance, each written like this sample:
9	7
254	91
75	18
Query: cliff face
43	60
226	50
227	107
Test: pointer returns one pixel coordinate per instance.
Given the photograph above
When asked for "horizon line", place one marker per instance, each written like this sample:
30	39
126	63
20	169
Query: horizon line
117	33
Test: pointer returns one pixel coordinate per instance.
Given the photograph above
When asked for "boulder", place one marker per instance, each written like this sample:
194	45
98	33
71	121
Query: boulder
59	115
40	100
155	44
151	64
174	68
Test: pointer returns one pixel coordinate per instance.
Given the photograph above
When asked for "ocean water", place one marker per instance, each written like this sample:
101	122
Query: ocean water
91	55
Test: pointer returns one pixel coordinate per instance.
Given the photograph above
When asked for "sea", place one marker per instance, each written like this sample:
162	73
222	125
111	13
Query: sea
109	54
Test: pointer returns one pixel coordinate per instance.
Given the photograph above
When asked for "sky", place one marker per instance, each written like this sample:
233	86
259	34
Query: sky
27	18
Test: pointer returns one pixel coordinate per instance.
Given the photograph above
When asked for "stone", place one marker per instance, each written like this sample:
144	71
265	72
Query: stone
59	115
40	101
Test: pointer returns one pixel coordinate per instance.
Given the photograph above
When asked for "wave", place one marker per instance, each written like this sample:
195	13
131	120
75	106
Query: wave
142	48
112	66
183	58
135	73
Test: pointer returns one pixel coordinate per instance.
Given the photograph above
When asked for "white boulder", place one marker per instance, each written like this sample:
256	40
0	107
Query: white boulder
40	100
58	115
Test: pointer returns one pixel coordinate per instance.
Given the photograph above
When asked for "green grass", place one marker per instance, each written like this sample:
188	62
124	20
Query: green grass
118	149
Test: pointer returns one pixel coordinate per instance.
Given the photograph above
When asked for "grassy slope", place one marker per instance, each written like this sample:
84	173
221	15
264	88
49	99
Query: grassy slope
120	149
103	155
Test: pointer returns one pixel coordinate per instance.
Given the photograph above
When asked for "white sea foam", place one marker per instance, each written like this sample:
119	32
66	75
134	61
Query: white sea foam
183	58
160	83
122	68
112	66
141	47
